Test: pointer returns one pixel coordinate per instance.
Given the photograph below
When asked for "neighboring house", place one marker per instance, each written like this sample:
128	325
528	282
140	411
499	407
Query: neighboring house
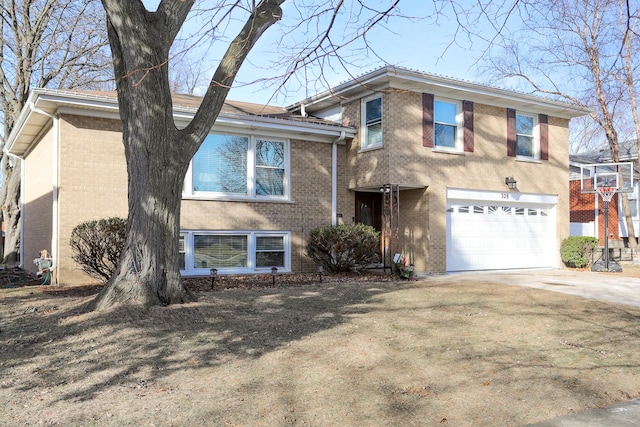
586	207
425	159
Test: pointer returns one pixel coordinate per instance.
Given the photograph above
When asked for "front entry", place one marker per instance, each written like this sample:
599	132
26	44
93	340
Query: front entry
369	212
369	209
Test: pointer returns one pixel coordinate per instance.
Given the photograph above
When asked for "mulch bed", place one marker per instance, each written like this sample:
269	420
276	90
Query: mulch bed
16	277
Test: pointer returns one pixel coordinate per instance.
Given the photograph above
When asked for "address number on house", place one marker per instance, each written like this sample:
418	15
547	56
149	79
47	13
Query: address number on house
505	195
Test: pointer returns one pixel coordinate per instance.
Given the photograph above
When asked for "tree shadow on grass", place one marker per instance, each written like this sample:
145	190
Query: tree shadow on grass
49	343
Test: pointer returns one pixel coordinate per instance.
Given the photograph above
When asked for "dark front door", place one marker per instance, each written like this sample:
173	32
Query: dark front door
369	209
369	212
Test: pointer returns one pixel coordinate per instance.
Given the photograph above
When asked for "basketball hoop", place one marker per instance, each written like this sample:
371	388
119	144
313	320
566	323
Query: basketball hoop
606	193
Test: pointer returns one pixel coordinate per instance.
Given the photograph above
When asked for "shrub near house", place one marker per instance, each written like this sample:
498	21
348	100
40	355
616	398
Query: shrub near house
577	251
344	247
97	246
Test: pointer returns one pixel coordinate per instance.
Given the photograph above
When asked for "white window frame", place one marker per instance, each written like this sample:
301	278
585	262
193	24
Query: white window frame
535	137
191	270
458	143
364	127
189	193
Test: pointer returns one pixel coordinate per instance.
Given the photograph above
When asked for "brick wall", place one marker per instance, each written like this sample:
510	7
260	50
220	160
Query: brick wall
403	160
37	210
93	185
93	181
583	209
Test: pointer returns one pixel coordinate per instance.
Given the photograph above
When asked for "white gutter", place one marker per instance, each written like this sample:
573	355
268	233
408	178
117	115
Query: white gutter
54	193
334	177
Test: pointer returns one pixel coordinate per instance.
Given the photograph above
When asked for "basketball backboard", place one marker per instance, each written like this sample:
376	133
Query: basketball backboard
616	175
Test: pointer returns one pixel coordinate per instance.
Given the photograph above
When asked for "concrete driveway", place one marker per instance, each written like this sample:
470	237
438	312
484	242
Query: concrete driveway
610	287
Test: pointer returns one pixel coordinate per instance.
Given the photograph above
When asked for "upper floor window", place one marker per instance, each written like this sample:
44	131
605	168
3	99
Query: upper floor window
372	122
239	166
525	140
446	124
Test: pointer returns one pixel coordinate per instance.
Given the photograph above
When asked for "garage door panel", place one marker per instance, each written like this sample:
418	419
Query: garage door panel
491	236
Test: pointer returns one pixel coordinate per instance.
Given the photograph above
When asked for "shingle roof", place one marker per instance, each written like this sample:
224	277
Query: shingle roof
628	151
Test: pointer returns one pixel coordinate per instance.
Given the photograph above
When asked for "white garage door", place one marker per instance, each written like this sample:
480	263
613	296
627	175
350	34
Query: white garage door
495	231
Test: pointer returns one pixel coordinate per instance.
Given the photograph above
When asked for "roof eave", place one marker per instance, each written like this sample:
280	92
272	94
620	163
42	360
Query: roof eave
391	77
51	102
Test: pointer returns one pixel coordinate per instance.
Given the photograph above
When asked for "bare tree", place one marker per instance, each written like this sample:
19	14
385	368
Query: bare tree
44	43
157	153
571	50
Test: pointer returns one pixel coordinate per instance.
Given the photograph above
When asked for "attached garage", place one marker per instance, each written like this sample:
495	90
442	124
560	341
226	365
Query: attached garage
489	230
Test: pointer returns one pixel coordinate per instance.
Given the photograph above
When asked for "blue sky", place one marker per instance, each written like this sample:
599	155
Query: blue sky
420	44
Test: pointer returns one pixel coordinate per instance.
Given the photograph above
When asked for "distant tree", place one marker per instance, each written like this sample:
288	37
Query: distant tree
43	43
581	51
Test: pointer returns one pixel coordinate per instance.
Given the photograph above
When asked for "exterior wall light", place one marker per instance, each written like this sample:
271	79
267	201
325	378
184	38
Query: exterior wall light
511	182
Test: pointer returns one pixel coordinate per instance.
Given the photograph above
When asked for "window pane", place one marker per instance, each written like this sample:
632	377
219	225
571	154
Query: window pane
220	165
445	112
445	135
269	251
524	146
270	243
524	125
181	254
219	251
269	182
270	153
374	135
373	111
269	259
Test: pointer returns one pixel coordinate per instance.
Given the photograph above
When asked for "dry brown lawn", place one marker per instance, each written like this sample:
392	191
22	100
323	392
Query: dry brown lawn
358	353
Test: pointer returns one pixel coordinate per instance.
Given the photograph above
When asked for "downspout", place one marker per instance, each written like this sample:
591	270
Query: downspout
334	177
54	194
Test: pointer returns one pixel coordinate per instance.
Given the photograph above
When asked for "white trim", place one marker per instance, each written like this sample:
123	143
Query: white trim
535	143
402	78
55	177
459	124
191	270
334	183
364	128
501	196
189	193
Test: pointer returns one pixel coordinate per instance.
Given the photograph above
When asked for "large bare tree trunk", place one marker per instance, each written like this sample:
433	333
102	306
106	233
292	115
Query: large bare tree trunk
11	211
157	153
148	272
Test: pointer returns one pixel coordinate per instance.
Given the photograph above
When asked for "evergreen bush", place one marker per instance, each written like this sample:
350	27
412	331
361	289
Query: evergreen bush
577	251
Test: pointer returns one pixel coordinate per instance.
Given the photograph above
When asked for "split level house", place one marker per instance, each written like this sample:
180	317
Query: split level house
455	175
